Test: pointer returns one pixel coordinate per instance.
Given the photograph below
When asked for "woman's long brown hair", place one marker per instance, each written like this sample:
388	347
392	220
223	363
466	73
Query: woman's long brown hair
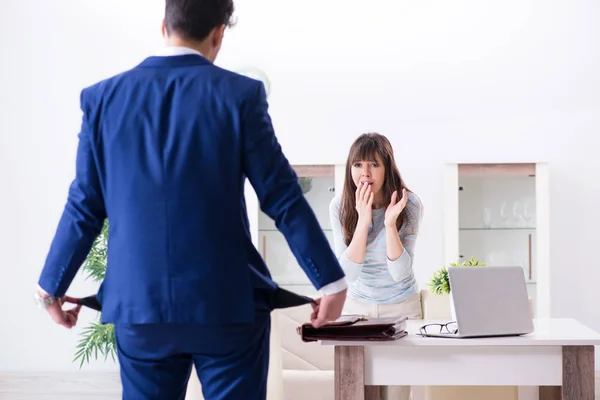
370	146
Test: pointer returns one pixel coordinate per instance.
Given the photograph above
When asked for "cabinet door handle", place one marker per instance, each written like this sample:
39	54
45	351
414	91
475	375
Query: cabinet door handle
265	248
529	257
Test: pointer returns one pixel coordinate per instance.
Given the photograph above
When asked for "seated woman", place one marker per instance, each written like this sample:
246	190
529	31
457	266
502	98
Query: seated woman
375	224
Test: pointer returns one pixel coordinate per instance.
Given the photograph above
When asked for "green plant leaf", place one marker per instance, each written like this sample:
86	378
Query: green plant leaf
96	340
305	184
440	283
95	263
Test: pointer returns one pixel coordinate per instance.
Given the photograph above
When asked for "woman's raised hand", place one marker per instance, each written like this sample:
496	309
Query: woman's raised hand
364	204
394	209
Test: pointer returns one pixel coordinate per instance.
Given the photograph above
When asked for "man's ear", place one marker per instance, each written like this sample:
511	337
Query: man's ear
217	36
163	29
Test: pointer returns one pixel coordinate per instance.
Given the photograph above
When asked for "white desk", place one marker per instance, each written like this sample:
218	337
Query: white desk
559	354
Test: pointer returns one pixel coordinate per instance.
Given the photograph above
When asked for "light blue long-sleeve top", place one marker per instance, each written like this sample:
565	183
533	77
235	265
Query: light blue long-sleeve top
379	279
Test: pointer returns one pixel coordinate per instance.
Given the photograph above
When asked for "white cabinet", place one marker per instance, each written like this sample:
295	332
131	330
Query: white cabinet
497	219
498	214
320	184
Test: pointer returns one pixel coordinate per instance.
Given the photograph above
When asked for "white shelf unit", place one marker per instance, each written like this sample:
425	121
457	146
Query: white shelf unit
499	214
325	182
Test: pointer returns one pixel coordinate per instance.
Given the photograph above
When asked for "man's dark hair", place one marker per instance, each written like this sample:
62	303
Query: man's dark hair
195	19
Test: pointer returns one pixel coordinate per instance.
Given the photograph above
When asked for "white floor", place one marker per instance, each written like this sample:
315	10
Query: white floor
67	386
78	386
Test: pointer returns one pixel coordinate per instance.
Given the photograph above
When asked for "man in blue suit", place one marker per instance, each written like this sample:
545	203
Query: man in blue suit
164	151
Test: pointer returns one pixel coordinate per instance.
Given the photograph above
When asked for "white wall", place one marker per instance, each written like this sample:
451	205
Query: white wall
459	81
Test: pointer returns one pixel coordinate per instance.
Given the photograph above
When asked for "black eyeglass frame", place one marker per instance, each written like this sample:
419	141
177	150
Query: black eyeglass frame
423	329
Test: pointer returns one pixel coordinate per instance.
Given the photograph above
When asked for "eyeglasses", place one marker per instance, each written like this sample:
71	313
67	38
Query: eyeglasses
450	328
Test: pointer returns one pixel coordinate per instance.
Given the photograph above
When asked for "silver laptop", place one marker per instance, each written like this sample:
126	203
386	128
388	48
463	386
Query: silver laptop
488	301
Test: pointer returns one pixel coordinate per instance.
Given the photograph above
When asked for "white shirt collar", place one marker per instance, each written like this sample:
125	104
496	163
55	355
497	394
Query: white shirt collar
176	51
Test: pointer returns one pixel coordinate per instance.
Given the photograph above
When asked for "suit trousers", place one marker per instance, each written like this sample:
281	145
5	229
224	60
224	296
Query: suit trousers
232	361
410	308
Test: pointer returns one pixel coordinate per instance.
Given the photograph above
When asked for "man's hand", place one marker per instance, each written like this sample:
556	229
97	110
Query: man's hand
328	308
66	318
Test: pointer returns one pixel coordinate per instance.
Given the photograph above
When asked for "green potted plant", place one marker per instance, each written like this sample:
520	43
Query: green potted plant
440	283
97	339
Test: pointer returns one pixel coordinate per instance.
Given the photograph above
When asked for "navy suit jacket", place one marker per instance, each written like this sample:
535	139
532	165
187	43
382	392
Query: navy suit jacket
163	153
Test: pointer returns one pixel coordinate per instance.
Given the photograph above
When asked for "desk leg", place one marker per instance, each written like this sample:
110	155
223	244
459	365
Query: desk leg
578	376
349	373
349	370
578	373
372	392
550	393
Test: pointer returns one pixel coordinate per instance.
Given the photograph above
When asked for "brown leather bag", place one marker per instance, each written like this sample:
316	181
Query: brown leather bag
356	328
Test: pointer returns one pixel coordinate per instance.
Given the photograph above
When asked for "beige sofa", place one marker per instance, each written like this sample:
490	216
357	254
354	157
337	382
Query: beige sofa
304	371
